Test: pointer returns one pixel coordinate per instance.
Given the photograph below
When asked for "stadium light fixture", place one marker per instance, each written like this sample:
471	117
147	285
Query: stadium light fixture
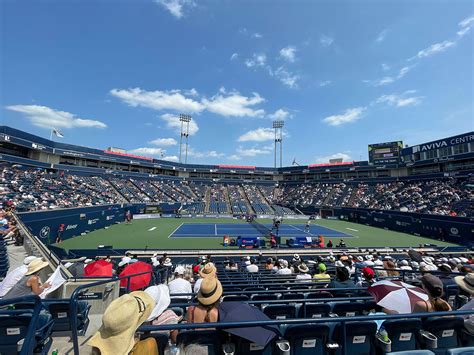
184	133
278	127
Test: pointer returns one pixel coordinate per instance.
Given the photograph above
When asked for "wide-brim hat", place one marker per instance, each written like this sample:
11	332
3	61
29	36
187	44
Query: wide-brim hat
29	259
35	266
303	268
466	282
161	295
208	270
210	291
120	321
167	262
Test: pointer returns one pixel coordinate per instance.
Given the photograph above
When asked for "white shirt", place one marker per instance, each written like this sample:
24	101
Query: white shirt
12	279
284	271
197	285
252	268
303	277
180	285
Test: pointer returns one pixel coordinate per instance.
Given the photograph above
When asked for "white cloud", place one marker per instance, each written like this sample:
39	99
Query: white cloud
158	152
258	135
164	142
350	115
192	92
288	54
325	40
171	158
176	7
234	157
325	159
325	83
381	36
234	56
46	117
465	25
390	79
403	100
172	122
385	67
235	104
257	35
158	100
207	154
287	78
253	152
279	114
257	60
435	48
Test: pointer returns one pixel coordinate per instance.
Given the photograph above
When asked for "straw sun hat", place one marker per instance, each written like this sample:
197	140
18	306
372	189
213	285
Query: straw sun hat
210	291
208	270
466	282
35	266
120	321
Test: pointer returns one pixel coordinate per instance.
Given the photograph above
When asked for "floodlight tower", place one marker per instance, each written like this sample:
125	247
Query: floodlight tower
184	133
278	127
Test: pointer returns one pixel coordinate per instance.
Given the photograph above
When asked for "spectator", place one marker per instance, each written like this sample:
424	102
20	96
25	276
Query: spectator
434	288
329	244
30	284
283	270
391	268
14	276
269	264
303	275
252	268
160	315
342	279
179	284
368	277
120	321
321	275
209	270
466	283
208	299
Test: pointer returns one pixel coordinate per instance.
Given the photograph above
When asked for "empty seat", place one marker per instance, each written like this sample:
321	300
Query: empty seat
210	340
307	339
322	294
461	351
314	310
403	333
264	297
360	337
292	296
349	309
61	317
280	311
447	330
235	298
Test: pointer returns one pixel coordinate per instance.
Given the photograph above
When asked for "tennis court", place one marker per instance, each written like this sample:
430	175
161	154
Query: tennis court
247	230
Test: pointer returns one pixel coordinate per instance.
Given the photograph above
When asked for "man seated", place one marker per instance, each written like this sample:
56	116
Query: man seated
252	267
179	284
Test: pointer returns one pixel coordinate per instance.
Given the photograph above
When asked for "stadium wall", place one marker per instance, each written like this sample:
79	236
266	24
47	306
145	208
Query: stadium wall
457	230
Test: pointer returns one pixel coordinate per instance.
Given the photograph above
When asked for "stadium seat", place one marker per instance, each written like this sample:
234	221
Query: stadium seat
461	351
360	337
61	317
280	311
235	298
292	296
307	339
447	330
321	294
349	309
403	333
264	297
314	310
206	338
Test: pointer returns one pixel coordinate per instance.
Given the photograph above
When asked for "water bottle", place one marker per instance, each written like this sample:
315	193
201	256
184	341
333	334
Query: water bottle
55	352
173	349
383	334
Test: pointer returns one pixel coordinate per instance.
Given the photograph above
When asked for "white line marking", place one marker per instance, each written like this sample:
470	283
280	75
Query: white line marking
175	230
151	229
354	230
215	229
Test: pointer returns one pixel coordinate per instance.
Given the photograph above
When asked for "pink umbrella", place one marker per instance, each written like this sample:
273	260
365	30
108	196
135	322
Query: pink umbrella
98	268
137	282
397	296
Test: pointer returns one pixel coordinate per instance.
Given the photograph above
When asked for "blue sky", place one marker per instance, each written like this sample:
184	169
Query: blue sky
342	74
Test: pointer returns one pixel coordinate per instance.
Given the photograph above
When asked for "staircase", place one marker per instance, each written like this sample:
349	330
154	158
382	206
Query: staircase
207	199
246	199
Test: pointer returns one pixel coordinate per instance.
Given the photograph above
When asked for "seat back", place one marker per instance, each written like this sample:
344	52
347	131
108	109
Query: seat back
307	339
13	328
209	339
360	337
349	309
403	333
314	310
447	329
322	294
235	298
280	311
292	296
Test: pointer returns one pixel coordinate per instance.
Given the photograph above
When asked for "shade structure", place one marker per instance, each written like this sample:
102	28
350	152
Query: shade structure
240	312
98	268
136	282
397	296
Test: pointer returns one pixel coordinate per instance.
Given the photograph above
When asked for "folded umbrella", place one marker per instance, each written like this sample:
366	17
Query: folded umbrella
136	282
98	268
397	296
241	312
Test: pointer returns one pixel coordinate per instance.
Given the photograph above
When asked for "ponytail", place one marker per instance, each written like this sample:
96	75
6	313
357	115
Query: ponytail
440	305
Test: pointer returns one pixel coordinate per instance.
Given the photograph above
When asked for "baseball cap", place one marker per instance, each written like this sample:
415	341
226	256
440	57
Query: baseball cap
179	270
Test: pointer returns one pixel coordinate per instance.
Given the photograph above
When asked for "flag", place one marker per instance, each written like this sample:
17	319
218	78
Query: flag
58	133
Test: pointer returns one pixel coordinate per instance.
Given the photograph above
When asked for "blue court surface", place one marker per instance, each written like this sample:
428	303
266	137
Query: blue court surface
212	230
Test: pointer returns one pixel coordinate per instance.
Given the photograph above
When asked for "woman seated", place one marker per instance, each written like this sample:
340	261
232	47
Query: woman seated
30	284
208	298
434	288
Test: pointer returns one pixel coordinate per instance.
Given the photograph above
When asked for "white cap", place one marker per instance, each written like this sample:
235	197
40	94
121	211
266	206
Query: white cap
404	262
378	262
125	260
360	258
29	259
88	261
339	263
68	265
284	263
179	270
296	257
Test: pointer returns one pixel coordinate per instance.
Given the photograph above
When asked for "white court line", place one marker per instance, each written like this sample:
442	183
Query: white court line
215	229
175	230
354	230
151	229
299	229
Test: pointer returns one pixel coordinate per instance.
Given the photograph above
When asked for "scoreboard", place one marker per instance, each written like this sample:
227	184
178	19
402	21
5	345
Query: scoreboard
385	153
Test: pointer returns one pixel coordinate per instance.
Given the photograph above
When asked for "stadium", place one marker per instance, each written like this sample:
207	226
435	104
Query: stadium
263	234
